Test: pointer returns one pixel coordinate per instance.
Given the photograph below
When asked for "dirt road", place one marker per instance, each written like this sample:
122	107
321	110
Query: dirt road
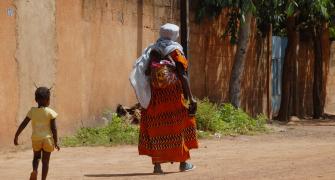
292	152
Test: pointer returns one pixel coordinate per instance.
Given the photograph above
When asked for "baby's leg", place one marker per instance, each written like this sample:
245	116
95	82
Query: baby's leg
36	160
45	164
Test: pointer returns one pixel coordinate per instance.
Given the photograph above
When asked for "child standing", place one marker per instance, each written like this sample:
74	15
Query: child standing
44	131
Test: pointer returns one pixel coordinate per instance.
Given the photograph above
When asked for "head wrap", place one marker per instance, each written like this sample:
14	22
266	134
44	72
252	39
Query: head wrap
169	31
167	41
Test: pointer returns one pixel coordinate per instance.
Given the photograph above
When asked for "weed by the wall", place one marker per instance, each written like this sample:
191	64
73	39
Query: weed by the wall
115	132
227	120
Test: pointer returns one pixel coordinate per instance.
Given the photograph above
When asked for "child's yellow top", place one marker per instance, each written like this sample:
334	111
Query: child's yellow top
40	121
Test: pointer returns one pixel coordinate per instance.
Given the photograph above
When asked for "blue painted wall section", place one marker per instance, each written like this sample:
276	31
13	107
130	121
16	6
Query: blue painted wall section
279	45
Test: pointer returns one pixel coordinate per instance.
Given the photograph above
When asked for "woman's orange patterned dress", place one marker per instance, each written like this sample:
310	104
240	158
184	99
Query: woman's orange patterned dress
167	132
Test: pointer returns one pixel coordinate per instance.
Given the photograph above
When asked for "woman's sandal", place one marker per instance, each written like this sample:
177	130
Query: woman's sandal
33	175
184	167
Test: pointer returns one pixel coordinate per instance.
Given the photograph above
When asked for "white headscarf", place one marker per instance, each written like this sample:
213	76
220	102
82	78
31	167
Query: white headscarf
169	33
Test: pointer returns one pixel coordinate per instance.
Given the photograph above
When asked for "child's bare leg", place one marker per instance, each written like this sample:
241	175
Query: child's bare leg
36	160
45	164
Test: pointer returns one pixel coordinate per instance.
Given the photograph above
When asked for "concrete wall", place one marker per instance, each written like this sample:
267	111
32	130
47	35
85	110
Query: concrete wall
97	47
35	51
212	57
330	97
9	86
84	49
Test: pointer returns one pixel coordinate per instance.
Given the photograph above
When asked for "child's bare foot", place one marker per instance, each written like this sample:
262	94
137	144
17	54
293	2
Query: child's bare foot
33	175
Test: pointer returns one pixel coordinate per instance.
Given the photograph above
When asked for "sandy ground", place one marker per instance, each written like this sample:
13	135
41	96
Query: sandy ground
291	152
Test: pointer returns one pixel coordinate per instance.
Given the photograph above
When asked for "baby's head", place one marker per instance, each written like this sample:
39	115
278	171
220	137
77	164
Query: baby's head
42	96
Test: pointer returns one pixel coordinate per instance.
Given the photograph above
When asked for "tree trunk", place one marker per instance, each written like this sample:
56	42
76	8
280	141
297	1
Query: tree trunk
289	70
322	55
317	83
239	62
184	25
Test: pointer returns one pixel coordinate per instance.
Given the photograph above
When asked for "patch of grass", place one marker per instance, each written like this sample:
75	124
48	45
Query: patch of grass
212	120
208	116
227	120
114	133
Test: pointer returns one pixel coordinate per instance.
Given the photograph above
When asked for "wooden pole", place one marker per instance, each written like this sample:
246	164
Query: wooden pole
184	24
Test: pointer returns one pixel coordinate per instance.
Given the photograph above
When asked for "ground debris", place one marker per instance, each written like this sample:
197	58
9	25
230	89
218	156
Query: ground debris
132	115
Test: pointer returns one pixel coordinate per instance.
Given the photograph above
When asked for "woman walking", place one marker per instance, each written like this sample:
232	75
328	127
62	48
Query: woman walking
167	127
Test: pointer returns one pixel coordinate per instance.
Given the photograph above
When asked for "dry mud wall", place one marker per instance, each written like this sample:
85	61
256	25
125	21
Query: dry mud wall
84	49
330	97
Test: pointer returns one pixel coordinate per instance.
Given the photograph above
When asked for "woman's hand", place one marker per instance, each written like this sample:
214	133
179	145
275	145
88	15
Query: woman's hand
193	106
57	147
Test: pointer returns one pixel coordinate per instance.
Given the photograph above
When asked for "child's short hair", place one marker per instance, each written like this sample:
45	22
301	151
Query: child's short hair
42	93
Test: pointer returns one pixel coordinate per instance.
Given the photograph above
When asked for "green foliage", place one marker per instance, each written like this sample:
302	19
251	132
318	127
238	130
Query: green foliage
291	8
212	8
311	13
227	120
238	9
208	116
266	12
116	132
271	12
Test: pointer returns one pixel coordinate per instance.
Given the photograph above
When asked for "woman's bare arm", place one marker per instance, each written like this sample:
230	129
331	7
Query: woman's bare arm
186	88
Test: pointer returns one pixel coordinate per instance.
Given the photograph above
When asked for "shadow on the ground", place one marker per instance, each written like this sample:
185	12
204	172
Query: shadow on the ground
310	122
126	174
326	122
